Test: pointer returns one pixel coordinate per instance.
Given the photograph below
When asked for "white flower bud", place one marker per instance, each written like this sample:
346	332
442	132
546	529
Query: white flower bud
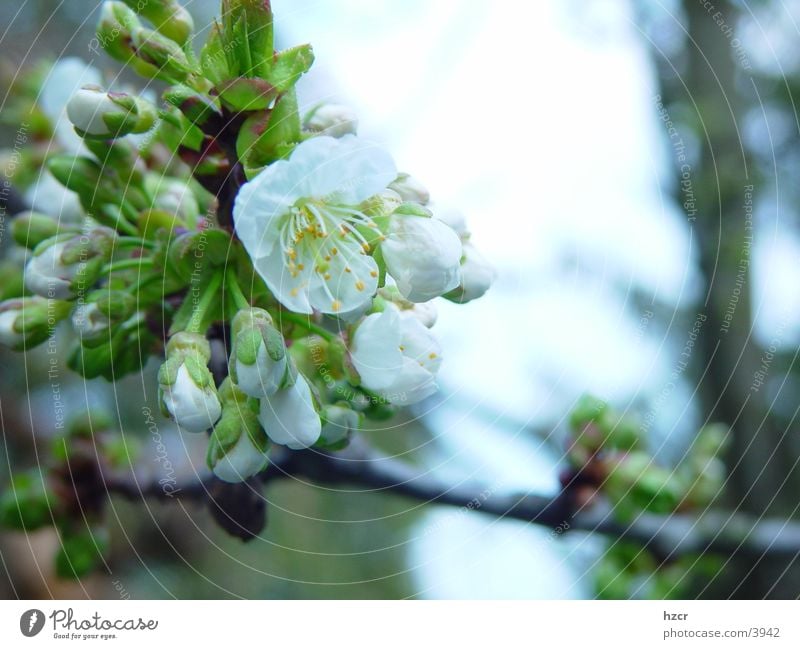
396	356
185	385
339	424
87	107
45	275
425	312
259	361
455	219
89	322
48	196
477	275
332	119
97	113
241	462
238	447
410	189
289	416
195	408
263	377
422	255
9	336
63	266
176	197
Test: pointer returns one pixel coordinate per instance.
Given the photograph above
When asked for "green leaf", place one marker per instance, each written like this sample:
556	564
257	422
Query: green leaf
289	66
213	57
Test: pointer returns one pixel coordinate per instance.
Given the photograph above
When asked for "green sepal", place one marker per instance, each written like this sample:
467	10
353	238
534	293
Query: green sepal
150	222
196	252
247	344
198	371
244	94
247	36
413	209
161	57
274	342
168	372
213	56
289	65
196	107
167	16
262	142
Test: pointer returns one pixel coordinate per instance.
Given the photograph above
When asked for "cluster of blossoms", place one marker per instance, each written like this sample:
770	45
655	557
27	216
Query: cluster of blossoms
283	266
337	235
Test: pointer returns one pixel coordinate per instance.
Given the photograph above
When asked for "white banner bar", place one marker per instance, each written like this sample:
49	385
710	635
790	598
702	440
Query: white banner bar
385	624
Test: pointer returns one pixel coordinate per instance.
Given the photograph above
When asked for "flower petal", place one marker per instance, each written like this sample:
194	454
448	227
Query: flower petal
343	171
290	289
262	205
289	416
376	350
349	281
240	462
423	256
412	384
419	343
66	77
262	377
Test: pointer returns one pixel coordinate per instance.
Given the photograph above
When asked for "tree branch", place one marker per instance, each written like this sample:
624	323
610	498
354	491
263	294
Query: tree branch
667	537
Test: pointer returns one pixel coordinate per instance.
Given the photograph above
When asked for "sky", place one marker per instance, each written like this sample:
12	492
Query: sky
547	139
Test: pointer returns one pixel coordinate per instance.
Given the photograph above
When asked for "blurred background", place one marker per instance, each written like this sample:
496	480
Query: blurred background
602	151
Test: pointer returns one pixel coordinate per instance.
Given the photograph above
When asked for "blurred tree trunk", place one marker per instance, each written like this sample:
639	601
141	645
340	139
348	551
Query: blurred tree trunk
763	472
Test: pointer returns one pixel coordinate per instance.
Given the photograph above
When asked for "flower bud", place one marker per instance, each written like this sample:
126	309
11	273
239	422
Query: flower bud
238	446
114	30
159	57
85	177
410	189
259	362
339	422
331	119
477	276
29	321
711	441
193	250
186	387
396	356
635	480
95	319
422	255
167	16
455	220
31	228
64	266
425	312
81	552
587	409
112	357
705	482
12	279
105	115
248	35
26	504
51	197
176	197
289	416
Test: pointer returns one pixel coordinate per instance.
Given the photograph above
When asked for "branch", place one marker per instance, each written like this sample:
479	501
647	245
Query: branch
667	537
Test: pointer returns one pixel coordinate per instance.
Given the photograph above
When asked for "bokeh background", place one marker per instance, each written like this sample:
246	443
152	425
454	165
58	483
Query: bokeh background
547	123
